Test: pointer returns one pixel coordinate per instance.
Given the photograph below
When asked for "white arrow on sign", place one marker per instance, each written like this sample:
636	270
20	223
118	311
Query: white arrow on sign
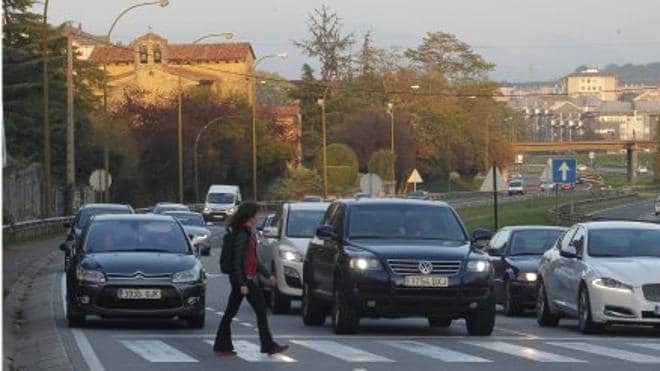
564	168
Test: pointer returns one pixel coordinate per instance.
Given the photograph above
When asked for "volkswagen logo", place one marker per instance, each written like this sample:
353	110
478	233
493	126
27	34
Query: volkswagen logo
425	267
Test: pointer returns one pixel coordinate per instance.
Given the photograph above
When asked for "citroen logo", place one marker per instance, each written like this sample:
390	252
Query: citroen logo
425	267
139	275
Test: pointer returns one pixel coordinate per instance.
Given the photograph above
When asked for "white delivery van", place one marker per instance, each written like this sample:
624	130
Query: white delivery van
221	202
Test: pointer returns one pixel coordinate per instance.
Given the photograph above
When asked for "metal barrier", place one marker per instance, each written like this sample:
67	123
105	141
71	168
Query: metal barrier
33	228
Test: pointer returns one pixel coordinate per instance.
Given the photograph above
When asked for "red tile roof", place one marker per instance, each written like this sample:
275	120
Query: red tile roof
178	53
111	54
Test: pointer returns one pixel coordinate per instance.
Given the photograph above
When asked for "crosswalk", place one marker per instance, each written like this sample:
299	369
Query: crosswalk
392	351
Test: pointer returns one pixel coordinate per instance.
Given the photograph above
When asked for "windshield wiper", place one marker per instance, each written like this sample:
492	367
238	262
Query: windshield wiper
147	250
526	254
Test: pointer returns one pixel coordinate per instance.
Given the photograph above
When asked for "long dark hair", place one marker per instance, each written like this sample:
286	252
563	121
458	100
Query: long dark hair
245	212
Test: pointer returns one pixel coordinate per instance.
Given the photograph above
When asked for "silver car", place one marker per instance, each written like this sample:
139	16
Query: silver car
602	273
283	247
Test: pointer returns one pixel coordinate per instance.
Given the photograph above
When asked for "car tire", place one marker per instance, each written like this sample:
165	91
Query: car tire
443	322
345	319
482	321
585	320
313	311
511	307
279	303
544	315
74	316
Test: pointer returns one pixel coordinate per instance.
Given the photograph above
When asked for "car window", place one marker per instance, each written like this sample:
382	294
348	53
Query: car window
190	219
624	243
303	223
87	214
328	214
405	221
533	241
502	239
220	198
566	238
578	240
136	235
337	220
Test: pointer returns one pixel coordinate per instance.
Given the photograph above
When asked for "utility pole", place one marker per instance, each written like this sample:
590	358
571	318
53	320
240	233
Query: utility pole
254	133
180	142
495	196
70	125
321	103
390	109
47	210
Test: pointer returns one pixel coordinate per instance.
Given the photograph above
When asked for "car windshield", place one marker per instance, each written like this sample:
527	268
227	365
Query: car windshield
402	221
533	241
87	214
136	235
303	223
220	198
190	219
515	184
624	242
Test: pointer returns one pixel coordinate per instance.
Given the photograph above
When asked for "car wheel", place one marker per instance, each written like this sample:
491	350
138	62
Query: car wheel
74	316
345	318
544	315
197	321
482	321
511	307
439	321
313	312
585	321
279	303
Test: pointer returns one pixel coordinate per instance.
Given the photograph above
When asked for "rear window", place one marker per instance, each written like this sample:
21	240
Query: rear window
136	235
190	219
220	198
87	214
515	184
533	242
402	221
303	223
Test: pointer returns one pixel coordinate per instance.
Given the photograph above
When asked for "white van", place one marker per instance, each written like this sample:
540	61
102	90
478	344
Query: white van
221	202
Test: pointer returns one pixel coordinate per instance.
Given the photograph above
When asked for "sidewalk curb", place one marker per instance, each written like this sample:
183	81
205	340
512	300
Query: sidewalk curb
32	341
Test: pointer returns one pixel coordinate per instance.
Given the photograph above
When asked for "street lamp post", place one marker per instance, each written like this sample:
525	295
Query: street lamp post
321	102
390	111
106	139
46	127
199	134
254	119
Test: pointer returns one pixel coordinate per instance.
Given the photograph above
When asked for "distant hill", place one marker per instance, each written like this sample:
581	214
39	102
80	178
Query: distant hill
634	73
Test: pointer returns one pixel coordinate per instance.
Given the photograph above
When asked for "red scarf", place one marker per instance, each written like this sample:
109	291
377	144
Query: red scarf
251	257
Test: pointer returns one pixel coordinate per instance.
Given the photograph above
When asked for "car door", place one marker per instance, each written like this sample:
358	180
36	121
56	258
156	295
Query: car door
564	270
497	250
552	269
331	248
267	252
574	269
315	254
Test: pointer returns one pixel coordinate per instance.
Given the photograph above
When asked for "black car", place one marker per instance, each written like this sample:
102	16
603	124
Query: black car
135	265
516	253
85	213
396	258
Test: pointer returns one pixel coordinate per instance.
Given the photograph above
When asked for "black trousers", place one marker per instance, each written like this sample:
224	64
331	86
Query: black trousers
255	297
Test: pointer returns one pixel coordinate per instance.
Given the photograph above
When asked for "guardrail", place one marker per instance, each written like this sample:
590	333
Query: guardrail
565	213
33	229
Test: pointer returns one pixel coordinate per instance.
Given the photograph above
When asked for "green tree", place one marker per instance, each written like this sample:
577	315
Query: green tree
342	167
380	163
296	184
307	91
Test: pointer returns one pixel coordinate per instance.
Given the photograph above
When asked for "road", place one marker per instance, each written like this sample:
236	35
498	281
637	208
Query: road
644	211
517	343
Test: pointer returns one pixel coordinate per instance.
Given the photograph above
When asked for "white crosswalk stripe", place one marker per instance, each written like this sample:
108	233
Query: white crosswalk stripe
607	352
442	354
157	351
252	353
653	346
344	352
522	351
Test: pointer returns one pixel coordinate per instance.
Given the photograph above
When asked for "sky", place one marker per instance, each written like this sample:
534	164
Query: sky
527	39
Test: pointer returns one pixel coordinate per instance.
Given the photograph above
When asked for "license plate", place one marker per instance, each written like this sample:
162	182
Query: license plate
426	281
154	294
657	310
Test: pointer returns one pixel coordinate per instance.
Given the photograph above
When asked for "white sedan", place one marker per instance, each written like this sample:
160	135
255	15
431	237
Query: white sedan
602	273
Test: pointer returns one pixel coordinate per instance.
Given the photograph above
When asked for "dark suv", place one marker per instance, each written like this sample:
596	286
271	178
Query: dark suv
396	258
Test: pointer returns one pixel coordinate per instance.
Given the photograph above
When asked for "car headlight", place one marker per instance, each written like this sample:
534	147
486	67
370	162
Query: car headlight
201	237
478	266
186	276
290	255
89	276
527	277
363	263
611	284
231	211
207	209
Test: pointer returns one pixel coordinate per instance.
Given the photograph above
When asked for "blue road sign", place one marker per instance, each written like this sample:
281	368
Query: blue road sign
564	170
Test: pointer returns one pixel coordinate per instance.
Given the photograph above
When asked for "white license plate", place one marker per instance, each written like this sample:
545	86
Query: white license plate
154	294
426	281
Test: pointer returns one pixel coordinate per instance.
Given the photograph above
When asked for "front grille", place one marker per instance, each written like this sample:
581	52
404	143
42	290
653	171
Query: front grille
138	276
293	282
652	292
170	299
650	315
410	267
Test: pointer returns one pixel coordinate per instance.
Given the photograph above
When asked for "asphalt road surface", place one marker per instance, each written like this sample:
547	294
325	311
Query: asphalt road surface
642	211
405	344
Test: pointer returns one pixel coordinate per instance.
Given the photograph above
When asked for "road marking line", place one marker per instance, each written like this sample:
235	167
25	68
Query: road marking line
346	353
82	343
157	351
521	351
210	309
252	353
652	346
442	354
246	324
87	351
608	352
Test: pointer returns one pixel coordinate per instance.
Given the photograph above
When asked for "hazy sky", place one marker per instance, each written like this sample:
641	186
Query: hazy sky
527	39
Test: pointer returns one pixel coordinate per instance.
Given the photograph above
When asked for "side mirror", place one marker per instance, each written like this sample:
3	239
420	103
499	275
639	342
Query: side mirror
66	247
67	225
481	235
569	252
270	232
209	223
326	232
494	252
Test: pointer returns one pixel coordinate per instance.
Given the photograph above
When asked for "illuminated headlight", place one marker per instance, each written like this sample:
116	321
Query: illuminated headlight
207	209
290	255
364	263
89	276
478	266
611	284
186	276
527	277
201	237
